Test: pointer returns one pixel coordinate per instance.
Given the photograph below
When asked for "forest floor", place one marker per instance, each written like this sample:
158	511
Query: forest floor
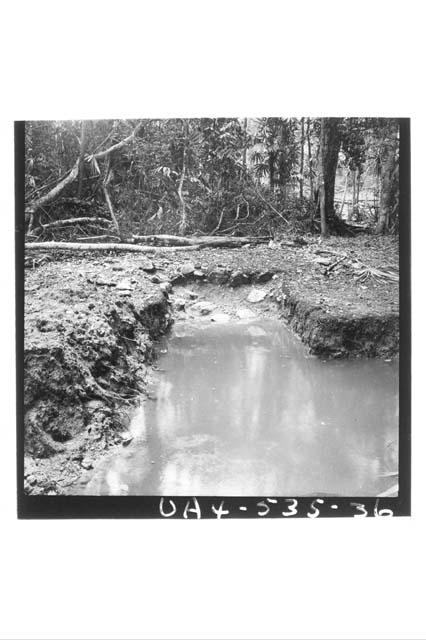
91	321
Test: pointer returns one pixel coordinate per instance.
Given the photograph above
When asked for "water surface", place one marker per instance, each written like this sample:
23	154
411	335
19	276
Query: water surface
242	409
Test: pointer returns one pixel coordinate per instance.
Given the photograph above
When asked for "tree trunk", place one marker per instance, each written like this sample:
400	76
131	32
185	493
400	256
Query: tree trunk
344	193
311	176
83	145
183	221
324	228
354	203
271	163
182	225
378	193
358	186
386	187
329	153
105	182
321	180
302	157
245	148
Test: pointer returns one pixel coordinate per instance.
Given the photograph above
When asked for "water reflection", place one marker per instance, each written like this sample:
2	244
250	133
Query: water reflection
241	409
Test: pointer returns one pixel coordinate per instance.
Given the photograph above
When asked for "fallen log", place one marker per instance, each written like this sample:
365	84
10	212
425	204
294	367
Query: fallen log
102	246
103	238
202	241
72	221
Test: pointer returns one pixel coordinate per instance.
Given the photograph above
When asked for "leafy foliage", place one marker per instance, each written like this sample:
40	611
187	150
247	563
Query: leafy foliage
229	175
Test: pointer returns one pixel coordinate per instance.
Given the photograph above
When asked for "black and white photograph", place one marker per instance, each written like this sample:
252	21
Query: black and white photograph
212	268
212	308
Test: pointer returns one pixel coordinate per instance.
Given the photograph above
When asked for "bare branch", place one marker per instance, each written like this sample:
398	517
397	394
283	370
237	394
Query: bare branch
116	147
111	210
32	207
268	204
217	227
98	238
72	221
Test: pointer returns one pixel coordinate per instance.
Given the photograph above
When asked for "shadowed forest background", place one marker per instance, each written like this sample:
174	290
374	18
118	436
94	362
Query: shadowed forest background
115	180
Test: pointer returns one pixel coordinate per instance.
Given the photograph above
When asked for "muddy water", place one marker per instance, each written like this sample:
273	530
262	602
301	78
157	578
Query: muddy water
242	409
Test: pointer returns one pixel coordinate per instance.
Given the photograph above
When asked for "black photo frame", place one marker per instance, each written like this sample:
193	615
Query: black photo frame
196	507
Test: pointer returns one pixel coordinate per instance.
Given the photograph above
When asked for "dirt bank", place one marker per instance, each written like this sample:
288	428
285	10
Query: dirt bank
91	324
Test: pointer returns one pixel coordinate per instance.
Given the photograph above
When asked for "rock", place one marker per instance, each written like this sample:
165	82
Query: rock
159	277
87	464
45	326
257	295
126	438
91	305
238	278
148	266
199	274
125	285
116	268
187	269
256	332
105	283
166	287
179	304
264	277
204	308
94	405
219	275
300	241
177	278
220	317
31	480
192	295
245	314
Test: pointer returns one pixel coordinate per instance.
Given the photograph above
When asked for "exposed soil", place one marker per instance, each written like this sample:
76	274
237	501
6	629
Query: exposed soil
91	322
